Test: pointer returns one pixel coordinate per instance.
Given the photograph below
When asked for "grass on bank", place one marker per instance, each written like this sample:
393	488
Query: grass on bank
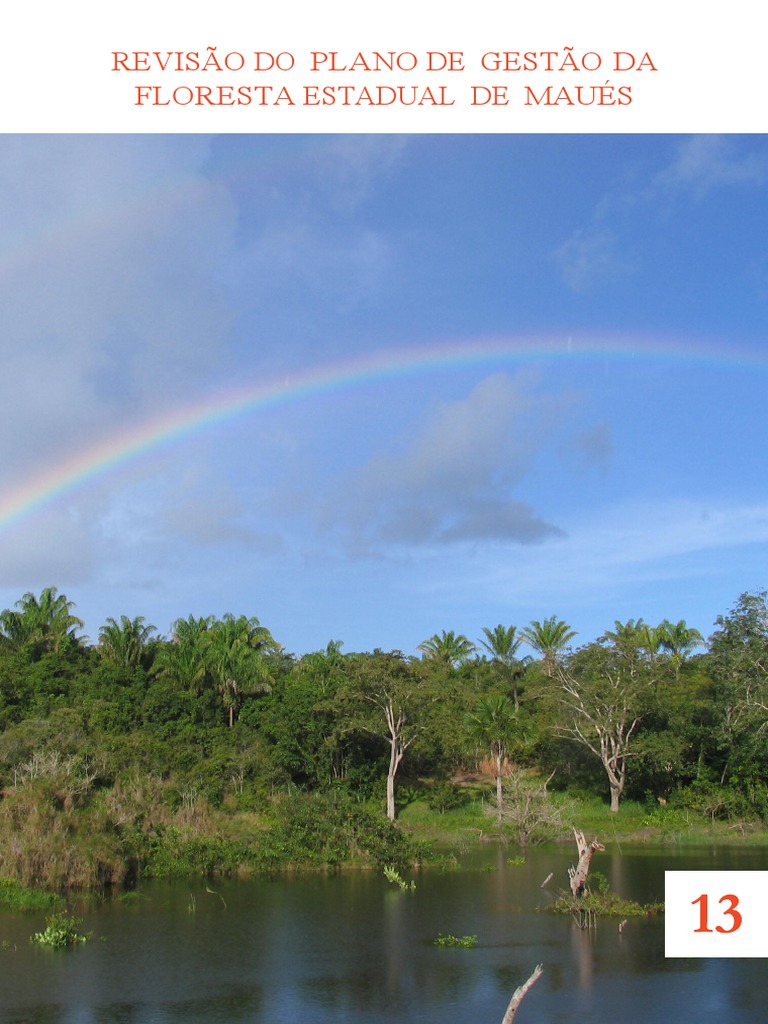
636	821
15	896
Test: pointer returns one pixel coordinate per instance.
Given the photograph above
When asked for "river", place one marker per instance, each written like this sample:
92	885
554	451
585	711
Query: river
354	949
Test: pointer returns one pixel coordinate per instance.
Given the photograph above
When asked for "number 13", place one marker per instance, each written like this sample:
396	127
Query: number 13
731	910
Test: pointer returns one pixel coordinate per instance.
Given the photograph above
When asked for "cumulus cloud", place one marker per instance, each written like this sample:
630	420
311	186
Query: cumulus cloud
115	307
457	479
128	266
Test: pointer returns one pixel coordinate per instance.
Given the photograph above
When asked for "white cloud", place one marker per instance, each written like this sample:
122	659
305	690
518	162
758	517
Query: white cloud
601	252
705	162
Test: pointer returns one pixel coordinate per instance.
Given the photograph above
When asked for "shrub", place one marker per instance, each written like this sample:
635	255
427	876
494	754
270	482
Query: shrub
60	931
444	796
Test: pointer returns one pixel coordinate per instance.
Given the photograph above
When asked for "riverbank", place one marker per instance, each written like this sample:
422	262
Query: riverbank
82	848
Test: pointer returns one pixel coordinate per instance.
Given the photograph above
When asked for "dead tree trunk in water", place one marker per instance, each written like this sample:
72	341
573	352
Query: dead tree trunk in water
578	875
519	994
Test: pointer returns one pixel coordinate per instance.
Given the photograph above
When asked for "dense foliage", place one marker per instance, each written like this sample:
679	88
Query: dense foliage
214	749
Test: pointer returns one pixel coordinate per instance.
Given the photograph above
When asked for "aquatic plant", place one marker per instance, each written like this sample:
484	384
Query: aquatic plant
60	931
455	941
394	876
599	900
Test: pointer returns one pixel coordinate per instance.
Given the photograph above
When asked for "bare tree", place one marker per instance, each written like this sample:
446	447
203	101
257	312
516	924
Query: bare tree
578	875
528	811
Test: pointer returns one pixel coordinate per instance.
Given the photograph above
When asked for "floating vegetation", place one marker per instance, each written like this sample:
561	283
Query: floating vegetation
60	931
455	941
394	876
599	900
516	862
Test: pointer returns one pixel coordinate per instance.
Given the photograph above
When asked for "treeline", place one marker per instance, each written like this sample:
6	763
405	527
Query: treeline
215	747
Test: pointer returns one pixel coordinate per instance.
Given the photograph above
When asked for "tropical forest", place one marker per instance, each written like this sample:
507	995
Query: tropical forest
213	750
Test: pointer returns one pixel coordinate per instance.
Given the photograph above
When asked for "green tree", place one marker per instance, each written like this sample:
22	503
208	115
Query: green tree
550	639
502	644
392	700
604	689
451	648
41	624
226	655
629	639
492	725
652	639
327	666
738	664
234	660
181	661
679	640
125	643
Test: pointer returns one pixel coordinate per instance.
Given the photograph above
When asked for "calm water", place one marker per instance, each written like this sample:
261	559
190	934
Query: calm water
354	950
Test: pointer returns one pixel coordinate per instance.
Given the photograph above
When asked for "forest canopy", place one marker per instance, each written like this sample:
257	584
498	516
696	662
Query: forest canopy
213	746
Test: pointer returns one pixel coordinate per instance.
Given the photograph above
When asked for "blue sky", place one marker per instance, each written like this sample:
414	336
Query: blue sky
614	468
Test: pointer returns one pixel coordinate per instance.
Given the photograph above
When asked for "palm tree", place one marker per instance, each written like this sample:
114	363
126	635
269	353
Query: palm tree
449	647
234	660
679	640
492	725
182	660
549	639
225	654
630	641
502	644
324	666
652	640
125	643
41	624
627	636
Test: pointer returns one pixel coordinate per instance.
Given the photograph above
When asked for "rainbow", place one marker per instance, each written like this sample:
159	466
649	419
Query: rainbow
170	428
